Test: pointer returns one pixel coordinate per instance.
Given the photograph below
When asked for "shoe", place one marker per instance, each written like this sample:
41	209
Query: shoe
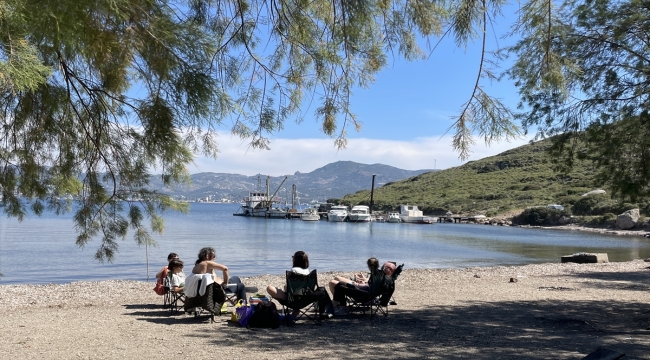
326	316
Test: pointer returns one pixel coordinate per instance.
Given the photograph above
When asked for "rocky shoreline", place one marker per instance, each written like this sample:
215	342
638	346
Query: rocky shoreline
539	311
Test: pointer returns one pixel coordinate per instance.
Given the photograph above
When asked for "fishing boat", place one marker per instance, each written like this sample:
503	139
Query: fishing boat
310	214
411	214
393	217
338	213
260	204
359	213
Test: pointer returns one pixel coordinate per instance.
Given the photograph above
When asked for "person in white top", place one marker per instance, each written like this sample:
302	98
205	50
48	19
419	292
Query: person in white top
300	266
177	276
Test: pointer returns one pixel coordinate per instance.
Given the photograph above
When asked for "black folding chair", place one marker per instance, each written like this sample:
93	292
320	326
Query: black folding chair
374	301
172	300
305	296
210	302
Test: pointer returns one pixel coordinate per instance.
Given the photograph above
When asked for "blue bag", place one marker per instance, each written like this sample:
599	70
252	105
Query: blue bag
243	314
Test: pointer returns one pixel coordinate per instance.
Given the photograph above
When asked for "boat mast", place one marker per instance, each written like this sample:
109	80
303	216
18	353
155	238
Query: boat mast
372	191
276	190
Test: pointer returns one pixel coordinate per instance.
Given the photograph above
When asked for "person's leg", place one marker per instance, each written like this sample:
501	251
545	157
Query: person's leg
276	293
240	290
332	285
342	279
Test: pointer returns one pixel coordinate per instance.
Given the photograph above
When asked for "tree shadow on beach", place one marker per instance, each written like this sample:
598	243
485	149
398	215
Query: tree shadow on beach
624	280
476	330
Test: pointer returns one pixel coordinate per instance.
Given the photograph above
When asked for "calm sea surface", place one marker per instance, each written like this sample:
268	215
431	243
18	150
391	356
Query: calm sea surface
43	250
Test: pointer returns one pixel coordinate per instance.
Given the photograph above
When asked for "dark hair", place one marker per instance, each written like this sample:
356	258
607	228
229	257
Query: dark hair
301	260
171	256
204	253
373	264
174	264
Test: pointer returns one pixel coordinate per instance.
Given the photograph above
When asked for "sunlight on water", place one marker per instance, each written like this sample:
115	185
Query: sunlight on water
43	250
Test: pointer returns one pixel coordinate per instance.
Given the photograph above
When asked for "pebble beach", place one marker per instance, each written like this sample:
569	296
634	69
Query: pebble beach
541	311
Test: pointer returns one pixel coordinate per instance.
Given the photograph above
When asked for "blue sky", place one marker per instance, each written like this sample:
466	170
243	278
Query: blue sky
405	114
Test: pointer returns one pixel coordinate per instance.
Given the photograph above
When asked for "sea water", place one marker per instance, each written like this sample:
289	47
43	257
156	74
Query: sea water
42	249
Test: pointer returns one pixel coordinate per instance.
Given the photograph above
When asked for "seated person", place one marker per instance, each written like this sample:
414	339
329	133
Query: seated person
163	272
205	264
300	266
300	262
360	281
177	282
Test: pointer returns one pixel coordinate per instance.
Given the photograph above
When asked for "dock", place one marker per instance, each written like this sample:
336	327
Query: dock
456	219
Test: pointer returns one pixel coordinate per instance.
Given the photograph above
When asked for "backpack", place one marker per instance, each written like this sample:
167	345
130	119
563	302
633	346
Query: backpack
265	315
160	287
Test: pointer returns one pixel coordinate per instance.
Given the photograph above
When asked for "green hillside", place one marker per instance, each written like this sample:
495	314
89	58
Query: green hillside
514	180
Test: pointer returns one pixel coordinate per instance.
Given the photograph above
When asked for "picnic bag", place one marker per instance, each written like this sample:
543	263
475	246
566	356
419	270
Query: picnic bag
265	315
242	313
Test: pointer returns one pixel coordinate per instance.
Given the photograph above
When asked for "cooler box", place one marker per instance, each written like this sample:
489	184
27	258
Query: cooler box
257	298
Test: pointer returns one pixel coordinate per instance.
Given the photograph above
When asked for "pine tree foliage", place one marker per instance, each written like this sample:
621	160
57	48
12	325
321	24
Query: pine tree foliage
96	95
584	72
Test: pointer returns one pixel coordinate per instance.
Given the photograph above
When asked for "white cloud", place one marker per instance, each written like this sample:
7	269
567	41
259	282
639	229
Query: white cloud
305	155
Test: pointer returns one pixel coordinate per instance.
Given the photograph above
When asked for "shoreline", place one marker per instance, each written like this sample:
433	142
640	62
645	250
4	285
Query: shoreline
550	310
598	230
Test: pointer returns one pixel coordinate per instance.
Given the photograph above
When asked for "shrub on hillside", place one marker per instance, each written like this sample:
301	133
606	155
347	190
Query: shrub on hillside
532	187
607	219
487	168
589	205
568	199
577	191
540	216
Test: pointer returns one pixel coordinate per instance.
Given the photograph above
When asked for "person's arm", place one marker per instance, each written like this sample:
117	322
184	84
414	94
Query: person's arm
224	270
178	289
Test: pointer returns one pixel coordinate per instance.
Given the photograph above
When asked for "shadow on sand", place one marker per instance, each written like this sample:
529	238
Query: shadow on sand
538	329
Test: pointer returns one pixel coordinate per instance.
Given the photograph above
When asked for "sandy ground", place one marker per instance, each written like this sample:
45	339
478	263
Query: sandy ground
548	311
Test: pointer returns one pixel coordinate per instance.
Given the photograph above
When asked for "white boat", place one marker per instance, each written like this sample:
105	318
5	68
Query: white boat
310	214
411	214
359	213
338	213
260	204
277	213
393	217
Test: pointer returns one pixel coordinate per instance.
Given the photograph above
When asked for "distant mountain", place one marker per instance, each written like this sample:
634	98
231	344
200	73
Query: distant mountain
330	181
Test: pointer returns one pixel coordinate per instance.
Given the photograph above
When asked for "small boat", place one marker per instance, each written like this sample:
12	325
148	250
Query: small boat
359	213
393	217
276	213
411	214
338	213
310	214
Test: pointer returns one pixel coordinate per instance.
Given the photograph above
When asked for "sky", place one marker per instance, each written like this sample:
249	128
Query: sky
405	116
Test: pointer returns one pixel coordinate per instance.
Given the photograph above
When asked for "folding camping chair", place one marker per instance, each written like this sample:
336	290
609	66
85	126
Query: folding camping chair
304	295
376	299
172	300
210	302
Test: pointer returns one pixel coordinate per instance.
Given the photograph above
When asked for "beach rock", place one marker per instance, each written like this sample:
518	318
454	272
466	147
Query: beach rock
628	219
513	280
